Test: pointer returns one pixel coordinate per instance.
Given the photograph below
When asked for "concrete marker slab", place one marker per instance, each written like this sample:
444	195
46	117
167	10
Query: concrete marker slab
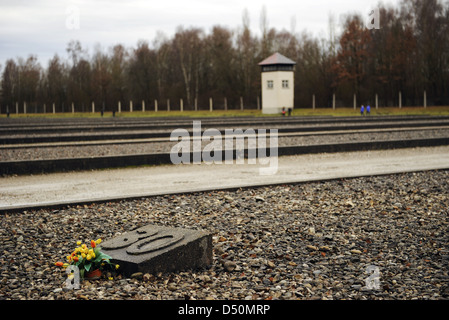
152	249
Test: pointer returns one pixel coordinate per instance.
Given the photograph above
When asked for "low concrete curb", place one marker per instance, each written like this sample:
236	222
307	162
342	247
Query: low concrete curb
103	136
91	163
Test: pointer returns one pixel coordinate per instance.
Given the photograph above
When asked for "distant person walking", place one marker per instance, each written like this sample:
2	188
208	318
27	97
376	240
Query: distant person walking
283	111
368	110
362	110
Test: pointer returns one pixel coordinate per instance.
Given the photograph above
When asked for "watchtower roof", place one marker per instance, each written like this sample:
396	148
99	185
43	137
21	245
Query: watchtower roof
277	58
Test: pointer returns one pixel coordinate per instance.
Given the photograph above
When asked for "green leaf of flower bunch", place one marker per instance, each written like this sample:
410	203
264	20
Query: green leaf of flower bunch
106	257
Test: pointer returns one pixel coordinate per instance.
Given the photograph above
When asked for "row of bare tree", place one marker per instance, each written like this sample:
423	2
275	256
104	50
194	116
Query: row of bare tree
409	53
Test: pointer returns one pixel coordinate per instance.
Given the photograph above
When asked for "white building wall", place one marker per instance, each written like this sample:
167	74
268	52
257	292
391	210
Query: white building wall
274	99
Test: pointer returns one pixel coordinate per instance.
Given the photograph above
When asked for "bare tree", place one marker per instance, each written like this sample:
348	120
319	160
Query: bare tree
10	83
56	82
140	74
188	46
163	49
247	58
118	66
101	77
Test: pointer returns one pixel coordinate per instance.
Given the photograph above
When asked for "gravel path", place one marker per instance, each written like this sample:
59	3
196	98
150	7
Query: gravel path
304	241
153	147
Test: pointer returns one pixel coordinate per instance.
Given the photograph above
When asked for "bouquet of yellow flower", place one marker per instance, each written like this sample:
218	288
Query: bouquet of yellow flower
88	259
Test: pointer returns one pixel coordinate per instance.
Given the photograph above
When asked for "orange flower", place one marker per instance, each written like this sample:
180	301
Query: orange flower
93	244
59	264
75	258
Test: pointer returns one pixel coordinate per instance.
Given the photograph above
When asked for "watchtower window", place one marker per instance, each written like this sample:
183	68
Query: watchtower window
285	84
277	67
270	84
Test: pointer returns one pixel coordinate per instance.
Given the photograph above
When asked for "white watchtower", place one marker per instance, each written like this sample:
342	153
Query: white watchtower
277	83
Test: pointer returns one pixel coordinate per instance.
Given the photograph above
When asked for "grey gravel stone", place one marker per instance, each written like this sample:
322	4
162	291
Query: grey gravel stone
302	242
153	147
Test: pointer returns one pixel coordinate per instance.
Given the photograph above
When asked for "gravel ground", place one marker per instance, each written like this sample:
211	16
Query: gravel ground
153	147
303	241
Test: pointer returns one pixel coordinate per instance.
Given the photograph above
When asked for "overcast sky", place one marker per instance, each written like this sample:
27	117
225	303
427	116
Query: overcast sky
44	27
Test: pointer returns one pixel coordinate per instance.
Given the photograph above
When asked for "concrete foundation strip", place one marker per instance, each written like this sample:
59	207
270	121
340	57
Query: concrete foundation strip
92	163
